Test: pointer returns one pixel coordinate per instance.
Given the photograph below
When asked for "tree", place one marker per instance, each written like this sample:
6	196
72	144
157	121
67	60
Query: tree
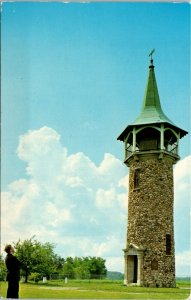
96	266
82	272
68	270
3	271
84	268
24	252
35	257
58	263
44	259
40	259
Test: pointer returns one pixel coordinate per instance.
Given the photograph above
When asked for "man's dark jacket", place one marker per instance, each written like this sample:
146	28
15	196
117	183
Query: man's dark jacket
13	268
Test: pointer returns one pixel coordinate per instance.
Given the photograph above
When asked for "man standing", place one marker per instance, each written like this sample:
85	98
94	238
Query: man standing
13	273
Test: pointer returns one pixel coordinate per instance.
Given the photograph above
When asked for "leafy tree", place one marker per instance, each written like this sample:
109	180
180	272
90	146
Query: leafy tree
35	257
58	263
44	259
82	272
70	260
38	258
3	271
96	266
77	261
85	268
68	270
25	254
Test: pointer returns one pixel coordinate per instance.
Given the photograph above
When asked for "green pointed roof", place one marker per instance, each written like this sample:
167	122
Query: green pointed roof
151	112
151	109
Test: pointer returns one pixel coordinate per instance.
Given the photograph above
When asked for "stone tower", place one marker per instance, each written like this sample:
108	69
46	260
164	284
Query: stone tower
151	150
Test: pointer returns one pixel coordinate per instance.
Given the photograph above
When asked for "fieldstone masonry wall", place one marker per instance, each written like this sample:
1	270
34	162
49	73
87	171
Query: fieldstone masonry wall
150	218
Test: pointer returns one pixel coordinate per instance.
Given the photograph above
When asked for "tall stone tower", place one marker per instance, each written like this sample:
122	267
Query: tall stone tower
151	150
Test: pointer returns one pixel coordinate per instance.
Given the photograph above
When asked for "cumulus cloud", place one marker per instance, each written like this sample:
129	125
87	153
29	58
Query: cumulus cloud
182	182
114	263
182	190
183	260
42	151
105	199
67	199
182	171
81	207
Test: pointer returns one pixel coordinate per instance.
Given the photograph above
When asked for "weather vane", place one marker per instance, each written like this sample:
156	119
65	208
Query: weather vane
152	53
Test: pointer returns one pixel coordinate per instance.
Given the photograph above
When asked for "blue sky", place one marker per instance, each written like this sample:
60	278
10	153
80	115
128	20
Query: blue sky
73	77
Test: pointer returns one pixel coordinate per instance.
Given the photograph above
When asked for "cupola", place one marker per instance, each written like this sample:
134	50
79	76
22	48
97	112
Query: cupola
152	131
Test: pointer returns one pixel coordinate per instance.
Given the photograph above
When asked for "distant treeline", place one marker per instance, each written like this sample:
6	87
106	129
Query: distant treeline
115	275
186	278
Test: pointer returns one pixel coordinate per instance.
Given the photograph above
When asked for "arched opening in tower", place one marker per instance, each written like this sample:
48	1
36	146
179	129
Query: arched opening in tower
148	139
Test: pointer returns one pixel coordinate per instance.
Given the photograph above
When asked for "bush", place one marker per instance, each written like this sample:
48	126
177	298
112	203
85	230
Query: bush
36	277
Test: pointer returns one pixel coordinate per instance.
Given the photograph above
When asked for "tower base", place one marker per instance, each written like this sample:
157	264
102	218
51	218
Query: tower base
137	274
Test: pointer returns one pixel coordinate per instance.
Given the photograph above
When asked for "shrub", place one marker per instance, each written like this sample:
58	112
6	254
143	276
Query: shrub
36	277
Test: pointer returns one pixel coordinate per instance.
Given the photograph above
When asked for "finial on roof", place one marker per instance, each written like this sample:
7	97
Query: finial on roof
151	55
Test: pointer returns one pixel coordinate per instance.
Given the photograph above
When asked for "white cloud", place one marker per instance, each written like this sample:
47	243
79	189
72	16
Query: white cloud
74	181
182	190
56	215
182	170
183	260
182	181
106	198
115	263
124	181
81	207
44	154
38	143
61	200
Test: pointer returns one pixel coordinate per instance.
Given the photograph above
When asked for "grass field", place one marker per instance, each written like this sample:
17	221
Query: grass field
96	289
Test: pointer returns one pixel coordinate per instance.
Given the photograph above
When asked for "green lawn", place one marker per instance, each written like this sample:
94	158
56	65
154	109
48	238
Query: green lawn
96	289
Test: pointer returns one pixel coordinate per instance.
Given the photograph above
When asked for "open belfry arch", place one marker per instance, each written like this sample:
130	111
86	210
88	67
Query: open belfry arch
151	149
